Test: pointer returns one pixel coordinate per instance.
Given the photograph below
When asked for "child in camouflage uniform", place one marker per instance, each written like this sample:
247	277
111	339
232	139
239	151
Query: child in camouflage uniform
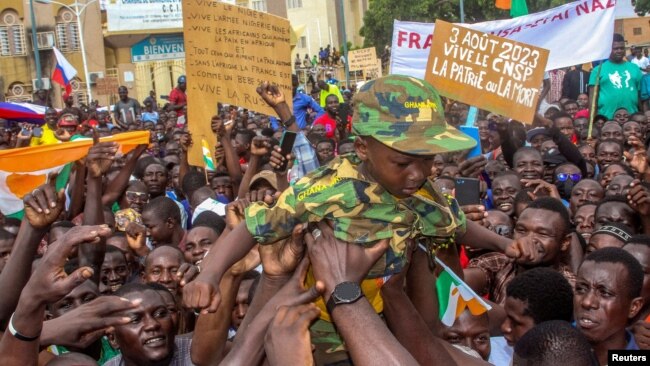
406	117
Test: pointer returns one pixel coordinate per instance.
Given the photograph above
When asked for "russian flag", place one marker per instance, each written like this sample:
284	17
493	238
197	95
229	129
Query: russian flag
22	112
63	71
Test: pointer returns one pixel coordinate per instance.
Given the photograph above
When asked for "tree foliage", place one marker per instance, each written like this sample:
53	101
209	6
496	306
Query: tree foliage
642	7
378	20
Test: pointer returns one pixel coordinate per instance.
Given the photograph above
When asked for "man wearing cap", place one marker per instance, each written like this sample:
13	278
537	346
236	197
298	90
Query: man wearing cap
178	98
67	127
610	234
330	78
537	136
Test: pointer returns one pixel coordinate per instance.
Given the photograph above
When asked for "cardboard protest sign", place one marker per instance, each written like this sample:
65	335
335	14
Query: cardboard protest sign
373	72
229	51
362	59
492	73
106	86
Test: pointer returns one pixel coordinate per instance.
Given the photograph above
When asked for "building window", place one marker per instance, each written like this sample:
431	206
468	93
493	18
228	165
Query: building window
259	5
302	43
293	4
636	31
67	37
12	35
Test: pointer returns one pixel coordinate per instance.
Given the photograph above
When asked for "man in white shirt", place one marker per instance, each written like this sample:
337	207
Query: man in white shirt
641	61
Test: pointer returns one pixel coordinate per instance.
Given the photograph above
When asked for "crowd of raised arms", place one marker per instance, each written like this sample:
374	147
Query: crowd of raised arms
332	252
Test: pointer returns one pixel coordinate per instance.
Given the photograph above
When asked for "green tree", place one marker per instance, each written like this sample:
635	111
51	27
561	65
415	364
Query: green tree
642	7
378	20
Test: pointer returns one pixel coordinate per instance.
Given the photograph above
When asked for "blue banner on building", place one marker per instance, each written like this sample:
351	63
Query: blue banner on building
159	47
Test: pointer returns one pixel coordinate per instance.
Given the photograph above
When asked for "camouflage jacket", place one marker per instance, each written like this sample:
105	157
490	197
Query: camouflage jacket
362	212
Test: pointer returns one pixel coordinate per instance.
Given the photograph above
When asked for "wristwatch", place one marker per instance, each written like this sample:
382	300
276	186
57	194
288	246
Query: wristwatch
344	293
289	122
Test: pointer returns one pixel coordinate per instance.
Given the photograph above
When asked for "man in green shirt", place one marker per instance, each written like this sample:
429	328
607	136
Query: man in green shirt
619	81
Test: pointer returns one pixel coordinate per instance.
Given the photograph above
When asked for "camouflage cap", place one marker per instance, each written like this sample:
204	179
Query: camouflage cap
406	114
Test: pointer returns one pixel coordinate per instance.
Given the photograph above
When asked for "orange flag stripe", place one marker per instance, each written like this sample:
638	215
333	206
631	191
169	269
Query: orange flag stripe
30	159
503	4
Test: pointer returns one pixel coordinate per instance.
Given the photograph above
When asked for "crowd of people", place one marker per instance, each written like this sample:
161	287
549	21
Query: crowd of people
327	255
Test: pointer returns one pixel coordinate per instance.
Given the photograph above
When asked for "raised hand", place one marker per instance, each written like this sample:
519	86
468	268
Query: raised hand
23	138
277	160
62	134
282	257
541	188
44	205
260	196
136	237
472	167
522	250
100	156
235	212
334	261
250	261
475	213
82	326
271	94
641	331
216	123
287	340
186	273
186	142
638	160
639	198
49	282
260	146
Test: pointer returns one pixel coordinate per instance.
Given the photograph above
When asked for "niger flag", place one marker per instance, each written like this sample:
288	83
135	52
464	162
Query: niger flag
503	4
454	296
24	169
516	7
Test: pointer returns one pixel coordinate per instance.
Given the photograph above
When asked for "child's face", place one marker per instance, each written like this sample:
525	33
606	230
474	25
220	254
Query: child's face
401	174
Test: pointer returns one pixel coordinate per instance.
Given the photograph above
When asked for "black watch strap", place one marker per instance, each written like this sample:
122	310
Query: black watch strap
289	122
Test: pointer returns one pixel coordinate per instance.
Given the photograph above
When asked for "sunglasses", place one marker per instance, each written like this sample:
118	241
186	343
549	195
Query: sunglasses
502	230
140	196
563	177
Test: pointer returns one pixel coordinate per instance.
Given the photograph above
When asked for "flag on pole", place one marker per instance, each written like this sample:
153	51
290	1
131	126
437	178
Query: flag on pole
24	169
517	7
207	157
503	4
63	71
454	296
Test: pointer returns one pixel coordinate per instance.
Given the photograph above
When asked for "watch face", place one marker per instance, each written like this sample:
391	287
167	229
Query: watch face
347	292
